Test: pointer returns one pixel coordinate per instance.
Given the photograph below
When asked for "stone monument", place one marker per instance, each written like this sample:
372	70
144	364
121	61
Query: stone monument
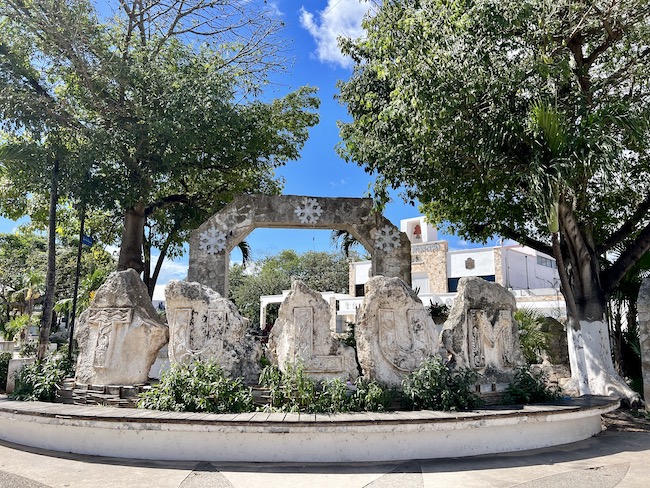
394	331
481	332
302	334
120	334
643	305
204	325
211	243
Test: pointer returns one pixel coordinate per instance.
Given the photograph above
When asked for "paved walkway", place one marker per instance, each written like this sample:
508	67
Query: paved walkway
610	459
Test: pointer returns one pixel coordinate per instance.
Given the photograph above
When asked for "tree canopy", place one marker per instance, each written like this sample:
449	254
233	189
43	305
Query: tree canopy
155	108
321	271
525	119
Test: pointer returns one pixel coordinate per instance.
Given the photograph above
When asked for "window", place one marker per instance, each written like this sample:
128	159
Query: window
359	291
452	283
549	263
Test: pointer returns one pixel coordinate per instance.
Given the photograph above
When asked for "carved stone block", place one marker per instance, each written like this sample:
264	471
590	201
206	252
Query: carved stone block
204	325
481	332
301	334
394	332
120	335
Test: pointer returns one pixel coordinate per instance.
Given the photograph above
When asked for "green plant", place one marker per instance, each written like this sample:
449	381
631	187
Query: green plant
29	349
40	380
438	310
201	386
533	341
264	361
530	387
436	386
370	396
5	357
291	391
16	325
333	397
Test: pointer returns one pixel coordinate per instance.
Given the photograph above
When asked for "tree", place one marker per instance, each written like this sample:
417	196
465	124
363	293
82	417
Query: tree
22	265
524	119
161	101
23	268
321	271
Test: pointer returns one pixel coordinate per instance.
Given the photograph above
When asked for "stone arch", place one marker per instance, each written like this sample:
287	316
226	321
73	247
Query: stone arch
211	243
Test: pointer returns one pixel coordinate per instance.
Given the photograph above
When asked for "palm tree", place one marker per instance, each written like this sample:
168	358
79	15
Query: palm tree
344	241
32	290
623	310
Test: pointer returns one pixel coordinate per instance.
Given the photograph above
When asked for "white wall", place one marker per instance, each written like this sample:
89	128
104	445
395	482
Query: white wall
362	272
420	282
429	232
483	263
521	271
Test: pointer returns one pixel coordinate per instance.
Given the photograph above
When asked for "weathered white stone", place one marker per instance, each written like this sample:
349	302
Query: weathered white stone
394	331
120	334
302	334
212	242
643	306
14	366
481	332
204	325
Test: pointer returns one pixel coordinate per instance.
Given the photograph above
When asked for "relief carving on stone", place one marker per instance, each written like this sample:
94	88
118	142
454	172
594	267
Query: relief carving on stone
497	337
196	338
305	348
107	321
476	320
404	344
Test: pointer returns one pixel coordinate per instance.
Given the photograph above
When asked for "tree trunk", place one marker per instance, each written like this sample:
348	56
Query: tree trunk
151	285
132	237
50	279
590	355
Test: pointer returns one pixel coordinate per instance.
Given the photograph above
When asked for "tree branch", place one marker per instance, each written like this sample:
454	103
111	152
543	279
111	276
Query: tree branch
628	258
527	241
627	228
167	201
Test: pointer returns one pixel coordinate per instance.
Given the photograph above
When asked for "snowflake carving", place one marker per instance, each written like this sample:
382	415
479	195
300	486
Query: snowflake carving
309	212
212	241
387	238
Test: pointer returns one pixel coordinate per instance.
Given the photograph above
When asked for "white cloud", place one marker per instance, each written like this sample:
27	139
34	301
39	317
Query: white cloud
170	270
339	18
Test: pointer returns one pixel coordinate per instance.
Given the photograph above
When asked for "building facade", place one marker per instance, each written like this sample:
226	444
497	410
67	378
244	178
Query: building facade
531	276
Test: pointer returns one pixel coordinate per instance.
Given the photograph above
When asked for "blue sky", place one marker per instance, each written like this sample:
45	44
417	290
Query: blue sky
312	28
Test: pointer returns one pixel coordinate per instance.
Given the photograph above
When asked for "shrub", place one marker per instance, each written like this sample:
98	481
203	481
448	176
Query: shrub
371	397
333	397
40	380
29	349
438	310
198	387
16	325
533	341
436	386
290	391
530	387
5	357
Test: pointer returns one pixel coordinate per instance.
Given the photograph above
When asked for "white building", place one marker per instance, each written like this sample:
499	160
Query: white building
531	276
